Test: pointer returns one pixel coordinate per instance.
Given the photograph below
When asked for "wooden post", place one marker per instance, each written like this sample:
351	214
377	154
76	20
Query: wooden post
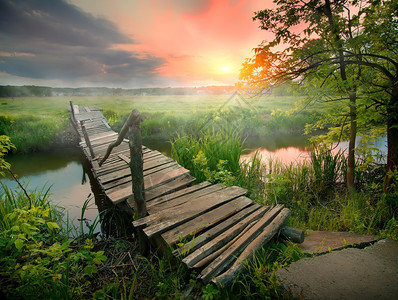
73	111
136	166
137	176
86	138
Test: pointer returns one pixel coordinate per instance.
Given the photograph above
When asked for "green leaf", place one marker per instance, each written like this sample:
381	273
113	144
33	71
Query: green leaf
90	270
19	244
52	225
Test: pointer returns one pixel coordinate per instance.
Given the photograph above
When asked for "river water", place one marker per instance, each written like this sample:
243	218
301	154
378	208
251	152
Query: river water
64	171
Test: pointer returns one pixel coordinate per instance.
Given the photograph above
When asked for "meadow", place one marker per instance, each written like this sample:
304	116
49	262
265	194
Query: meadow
36	123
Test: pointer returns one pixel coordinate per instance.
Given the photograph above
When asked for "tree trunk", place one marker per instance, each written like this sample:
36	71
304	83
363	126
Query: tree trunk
392	140
351	144
352	95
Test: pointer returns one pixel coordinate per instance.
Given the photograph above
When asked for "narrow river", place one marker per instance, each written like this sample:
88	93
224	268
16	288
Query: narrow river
64	171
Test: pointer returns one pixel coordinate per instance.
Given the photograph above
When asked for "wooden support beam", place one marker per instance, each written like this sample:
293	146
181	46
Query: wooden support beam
87	139
136	167
73	112
134	118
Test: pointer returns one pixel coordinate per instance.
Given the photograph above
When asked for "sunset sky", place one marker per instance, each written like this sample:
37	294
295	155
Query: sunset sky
126	43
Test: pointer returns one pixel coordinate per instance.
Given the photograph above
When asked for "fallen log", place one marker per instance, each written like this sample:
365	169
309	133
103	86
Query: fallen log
292	234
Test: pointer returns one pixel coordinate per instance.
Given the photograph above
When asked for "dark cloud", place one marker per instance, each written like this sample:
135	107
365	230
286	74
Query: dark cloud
52	39
56	21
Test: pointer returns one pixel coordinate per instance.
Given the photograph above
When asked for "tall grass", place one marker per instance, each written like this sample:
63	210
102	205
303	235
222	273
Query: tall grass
31	133
211	152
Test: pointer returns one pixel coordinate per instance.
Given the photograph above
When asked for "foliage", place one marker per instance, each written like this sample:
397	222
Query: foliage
5	147
259	280
36	259
346	56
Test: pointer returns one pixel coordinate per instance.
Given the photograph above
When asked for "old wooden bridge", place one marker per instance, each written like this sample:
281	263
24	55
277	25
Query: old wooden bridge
209	227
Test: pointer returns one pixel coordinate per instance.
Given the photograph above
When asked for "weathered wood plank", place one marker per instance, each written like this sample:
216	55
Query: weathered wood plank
177	194
206	220
265	236
103	136
209	258
76	109
106	124
124	158
215	231
122	178
143	222
170	187
117	195
228	256
190	197
223	238
172	217
153	180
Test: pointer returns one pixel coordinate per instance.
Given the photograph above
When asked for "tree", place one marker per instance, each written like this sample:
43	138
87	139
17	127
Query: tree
337	54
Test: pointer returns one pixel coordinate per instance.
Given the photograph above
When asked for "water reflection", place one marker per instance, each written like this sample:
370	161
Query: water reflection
298	150
61	171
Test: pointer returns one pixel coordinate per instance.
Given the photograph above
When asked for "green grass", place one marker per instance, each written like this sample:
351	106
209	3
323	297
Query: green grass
35	123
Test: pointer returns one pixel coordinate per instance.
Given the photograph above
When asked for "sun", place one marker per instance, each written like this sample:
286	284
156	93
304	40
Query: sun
225	69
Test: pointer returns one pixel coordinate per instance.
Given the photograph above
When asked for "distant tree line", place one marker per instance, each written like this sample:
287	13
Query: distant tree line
43	91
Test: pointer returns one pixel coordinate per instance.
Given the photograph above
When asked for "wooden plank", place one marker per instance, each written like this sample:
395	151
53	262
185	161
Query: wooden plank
209	258
181	200
177	194
228	256
172	217
169	187
123	178
176	202
106	124
265	236
206	220
87	109
75	109
176	185
223	238
118	195
143	222
151	180
102	136
124	157
215	231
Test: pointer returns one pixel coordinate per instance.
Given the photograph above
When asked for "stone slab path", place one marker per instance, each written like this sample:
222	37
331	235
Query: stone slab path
323	241
369	273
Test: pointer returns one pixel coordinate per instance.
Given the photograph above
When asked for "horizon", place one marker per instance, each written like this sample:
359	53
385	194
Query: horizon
126	44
